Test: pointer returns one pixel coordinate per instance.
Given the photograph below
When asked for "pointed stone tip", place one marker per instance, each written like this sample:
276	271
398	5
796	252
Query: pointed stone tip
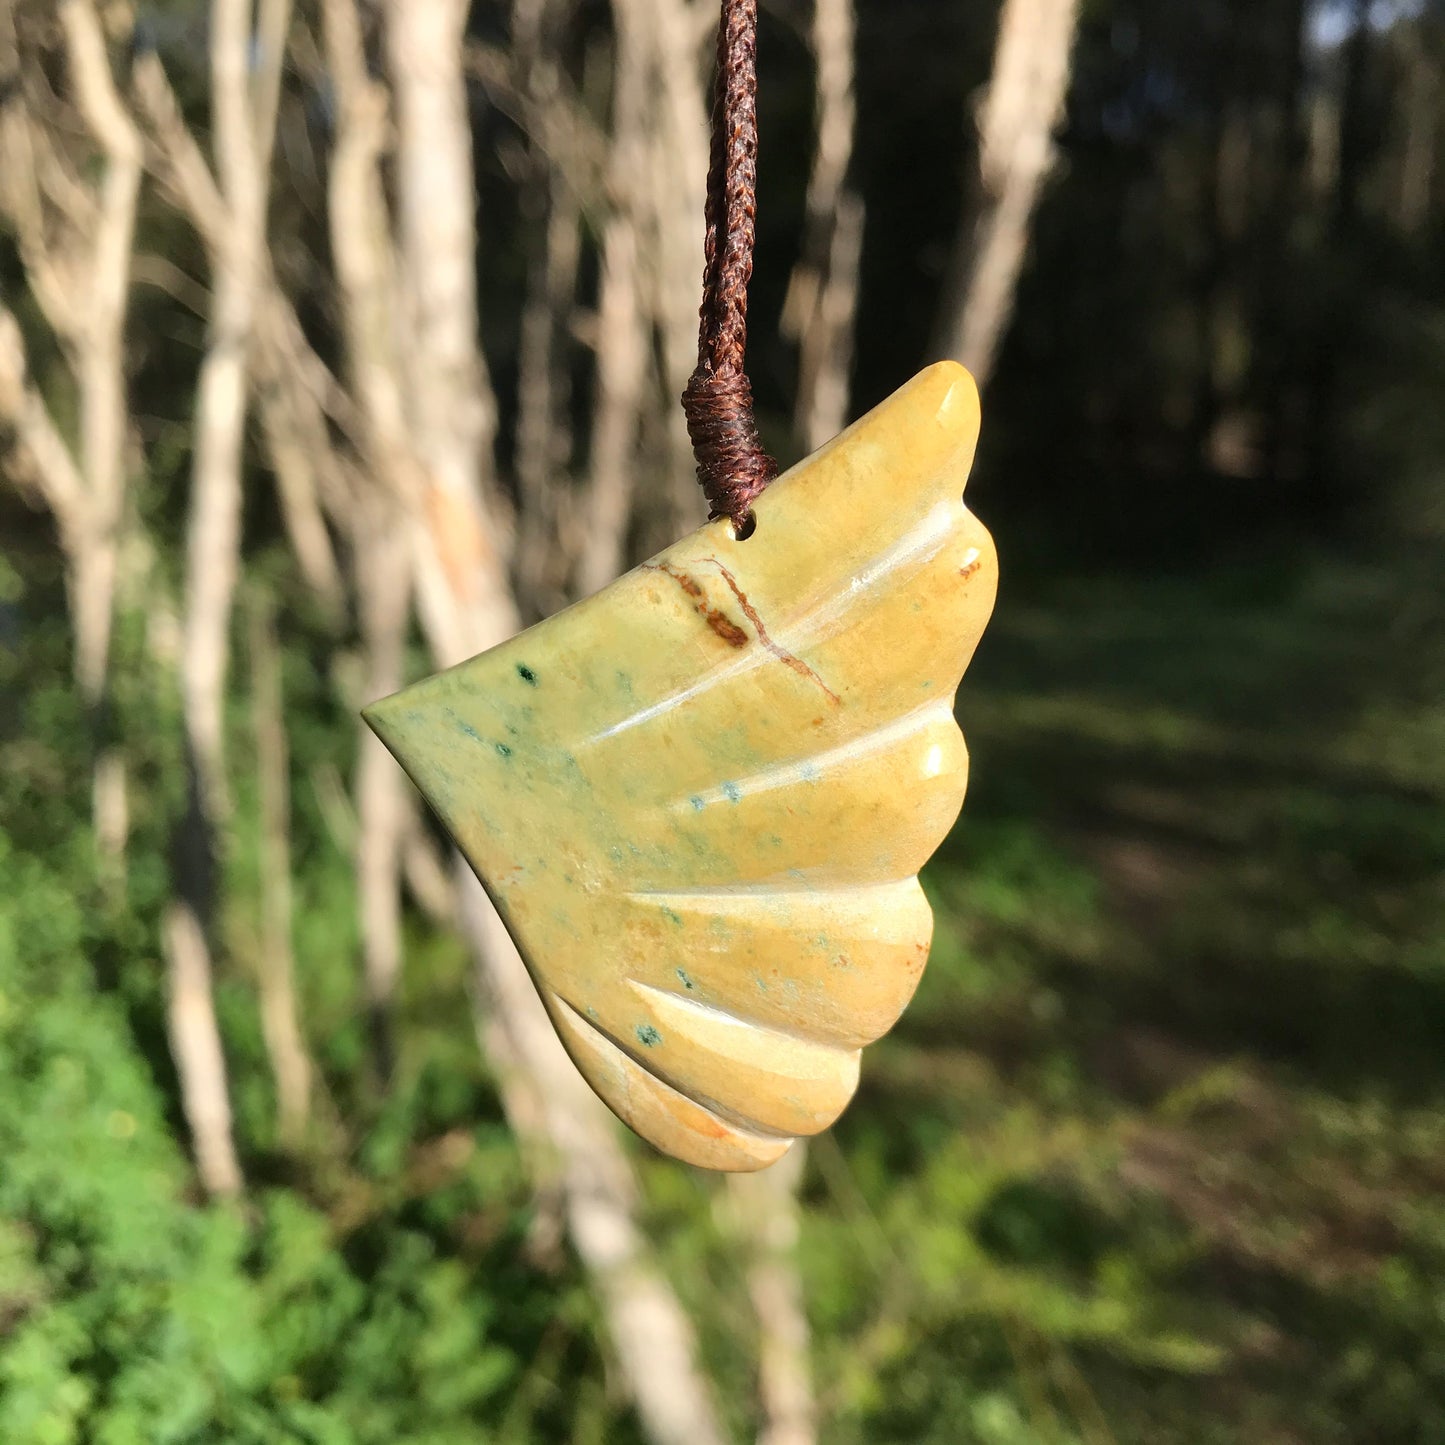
950	371
959	399
380	717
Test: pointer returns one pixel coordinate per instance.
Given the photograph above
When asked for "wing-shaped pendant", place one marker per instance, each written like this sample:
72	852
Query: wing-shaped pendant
700	799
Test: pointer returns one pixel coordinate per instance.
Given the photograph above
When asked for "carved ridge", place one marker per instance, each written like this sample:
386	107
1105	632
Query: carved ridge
724	1115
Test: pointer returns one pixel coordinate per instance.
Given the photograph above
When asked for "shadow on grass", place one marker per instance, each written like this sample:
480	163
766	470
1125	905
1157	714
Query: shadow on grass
1184	1020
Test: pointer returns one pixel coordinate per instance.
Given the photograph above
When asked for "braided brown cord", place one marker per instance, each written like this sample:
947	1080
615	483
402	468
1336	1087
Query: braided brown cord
731	463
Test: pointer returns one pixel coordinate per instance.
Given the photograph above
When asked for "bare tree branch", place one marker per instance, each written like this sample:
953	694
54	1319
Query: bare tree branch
37	188
294	390
47	464
179	161
533	92
1025	99
300	454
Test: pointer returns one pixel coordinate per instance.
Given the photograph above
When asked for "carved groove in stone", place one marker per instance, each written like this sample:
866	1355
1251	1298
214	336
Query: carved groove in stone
700	798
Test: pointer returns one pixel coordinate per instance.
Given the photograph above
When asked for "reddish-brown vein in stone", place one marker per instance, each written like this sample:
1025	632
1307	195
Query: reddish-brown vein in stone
781	653
719	621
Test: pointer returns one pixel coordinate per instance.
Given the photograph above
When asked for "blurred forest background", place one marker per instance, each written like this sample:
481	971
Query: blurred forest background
339	337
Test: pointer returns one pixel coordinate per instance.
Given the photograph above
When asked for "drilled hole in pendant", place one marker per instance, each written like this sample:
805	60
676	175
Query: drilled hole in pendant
745	529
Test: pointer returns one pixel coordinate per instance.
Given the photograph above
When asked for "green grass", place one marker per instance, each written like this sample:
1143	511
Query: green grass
1157	1154
1157	1157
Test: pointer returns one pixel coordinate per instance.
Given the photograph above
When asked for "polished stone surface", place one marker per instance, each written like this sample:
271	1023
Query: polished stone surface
700	798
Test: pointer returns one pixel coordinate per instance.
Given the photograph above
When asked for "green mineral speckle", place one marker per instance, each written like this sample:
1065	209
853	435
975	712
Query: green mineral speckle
503	750
648	1036
526	674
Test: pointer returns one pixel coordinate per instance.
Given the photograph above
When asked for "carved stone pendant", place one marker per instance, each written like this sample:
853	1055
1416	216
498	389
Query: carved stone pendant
700	799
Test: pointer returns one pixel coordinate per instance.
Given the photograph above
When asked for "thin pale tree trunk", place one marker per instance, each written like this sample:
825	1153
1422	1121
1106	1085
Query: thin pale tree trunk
291	1065
545	544
453	409
765	1210
196	1048
1025	101
382	812
822	304
820	313
284	371
677	173
104	410
650	1333
213	541
242	127
548	543
88	313
433	459
621	344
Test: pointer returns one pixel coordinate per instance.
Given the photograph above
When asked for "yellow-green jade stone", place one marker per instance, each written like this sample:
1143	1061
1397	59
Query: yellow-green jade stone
700	799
